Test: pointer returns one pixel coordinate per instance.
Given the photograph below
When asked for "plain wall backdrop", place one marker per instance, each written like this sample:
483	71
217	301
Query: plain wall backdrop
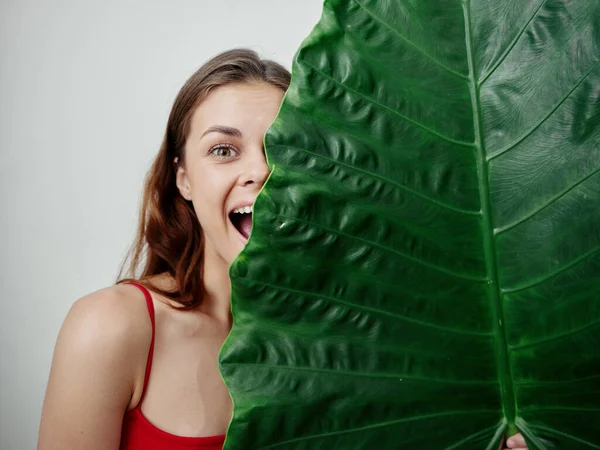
85	92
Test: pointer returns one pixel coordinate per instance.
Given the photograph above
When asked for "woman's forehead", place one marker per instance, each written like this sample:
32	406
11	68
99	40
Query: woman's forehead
239	106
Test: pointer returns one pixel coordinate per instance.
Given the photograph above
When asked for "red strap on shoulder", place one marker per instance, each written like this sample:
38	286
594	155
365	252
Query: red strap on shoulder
150	305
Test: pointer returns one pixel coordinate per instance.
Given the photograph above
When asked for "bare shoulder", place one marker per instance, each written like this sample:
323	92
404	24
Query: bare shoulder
116	312
98	362
109	326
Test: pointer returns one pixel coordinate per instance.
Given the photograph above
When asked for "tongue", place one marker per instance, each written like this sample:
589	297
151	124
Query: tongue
245	225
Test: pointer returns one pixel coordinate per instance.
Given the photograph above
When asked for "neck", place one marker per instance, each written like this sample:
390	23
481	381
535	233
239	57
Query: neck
217	286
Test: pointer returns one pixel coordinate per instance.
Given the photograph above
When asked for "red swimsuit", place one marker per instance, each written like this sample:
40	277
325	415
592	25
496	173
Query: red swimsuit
139	434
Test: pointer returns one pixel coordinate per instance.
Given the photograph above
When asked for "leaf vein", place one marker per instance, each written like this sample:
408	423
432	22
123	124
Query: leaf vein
554	382
556	337
365	308
411	43
393	111
563	434
365	374
529	132
470	437
553	274
389	181
511	45
560	409
552	200
380	425
388	249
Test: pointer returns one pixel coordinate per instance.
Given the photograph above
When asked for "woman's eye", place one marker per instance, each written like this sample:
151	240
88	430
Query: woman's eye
223	151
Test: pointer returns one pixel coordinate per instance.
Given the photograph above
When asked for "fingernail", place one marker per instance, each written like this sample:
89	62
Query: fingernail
510	442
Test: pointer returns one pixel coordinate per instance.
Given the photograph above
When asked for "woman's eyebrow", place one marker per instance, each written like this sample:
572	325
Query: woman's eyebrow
230	131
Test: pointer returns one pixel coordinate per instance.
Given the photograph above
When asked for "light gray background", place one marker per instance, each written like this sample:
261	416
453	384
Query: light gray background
85	91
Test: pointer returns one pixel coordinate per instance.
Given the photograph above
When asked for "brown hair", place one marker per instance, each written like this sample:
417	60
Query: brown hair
169	236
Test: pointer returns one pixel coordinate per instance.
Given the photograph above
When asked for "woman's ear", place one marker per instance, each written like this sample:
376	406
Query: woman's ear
182	181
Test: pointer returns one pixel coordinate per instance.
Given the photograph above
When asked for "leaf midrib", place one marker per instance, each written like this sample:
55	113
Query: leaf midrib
505	381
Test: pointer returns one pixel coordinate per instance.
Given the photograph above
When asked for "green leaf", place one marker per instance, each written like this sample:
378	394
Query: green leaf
424	268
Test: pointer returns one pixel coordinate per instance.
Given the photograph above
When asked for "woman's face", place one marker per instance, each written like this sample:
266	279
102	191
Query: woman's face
224	166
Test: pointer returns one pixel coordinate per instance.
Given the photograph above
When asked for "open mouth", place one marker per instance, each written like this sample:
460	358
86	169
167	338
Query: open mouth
241	218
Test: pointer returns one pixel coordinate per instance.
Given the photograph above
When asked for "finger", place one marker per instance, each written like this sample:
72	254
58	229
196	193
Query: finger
518	448
502	442
516	442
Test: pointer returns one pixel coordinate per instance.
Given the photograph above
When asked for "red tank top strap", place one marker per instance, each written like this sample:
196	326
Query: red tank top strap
150	305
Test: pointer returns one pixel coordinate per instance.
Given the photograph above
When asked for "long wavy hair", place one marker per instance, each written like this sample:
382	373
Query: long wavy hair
169	238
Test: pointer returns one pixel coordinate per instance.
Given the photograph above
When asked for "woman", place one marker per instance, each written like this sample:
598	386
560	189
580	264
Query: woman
135	365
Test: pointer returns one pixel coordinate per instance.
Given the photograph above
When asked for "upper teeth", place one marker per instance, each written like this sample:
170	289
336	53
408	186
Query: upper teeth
243	210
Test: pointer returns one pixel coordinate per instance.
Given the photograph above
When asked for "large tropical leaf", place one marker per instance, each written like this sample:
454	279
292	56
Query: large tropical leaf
424	269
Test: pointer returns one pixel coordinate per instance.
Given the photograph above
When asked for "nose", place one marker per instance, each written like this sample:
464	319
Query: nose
256	170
